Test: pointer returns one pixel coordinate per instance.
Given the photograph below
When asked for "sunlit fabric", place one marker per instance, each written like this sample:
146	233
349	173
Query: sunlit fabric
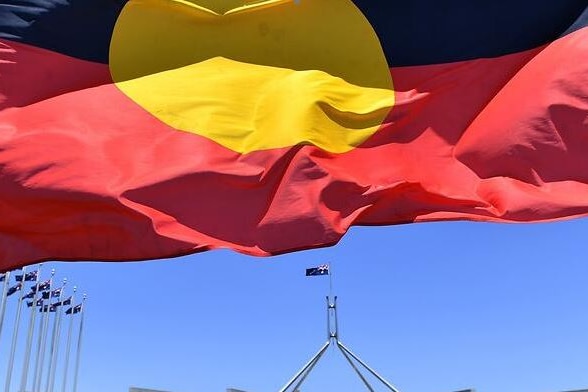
144	129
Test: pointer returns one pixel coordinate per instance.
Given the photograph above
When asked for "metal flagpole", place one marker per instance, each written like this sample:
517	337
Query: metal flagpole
68	345
333	337
14	335
308	365
363	379
330	279
39	343
79	349
40	360
345	351
373	372
54	341
29	344
46	317
295	389
333	308
3	301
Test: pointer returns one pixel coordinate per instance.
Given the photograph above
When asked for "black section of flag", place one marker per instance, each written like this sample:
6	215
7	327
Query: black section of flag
412	32
78	28
419	32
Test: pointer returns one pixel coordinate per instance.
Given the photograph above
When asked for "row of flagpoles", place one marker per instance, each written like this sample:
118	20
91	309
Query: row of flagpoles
47	300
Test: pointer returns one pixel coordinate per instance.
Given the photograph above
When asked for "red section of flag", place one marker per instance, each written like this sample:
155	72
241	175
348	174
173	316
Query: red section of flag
29	74
89	175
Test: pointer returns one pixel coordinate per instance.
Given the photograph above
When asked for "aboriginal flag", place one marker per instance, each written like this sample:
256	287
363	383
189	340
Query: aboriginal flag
144	129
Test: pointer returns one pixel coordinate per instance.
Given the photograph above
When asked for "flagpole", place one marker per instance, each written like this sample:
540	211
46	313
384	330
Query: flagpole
68	345
79	349
4	297
369	369
54	341
46	317
29	344
333	337
330	280
39	343
14	335
38	376
311	363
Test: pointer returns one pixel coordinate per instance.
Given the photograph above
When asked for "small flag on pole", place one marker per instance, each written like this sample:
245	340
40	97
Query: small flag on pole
39	303
43	286
318	271
76	309
55	293
47	308
64	302
2	277
14	289
29	295
28	277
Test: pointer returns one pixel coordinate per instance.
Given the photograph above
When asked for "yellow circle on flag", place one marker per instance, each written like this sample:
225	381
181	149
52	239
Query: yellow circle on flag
255	75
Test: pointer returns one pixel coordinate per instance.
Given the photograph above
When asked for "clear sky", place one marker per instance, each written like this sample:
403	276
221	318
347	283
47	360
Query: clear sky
433	307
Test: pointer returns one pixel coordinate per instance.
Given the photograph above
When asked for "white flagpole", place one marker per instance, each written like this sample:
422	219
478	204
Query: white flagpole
46	318
53	337
38	375
55	344
15	335
79	349
39	343
68	345
3	302
330	279
29	344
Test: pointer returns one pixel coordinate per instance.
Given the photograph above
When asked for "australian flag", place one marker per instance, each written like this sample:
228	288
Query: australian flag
2	277
29	295
64	302
43	286
46	285
76	309
28	277
56	293
14	289
318	271
53	294
47	308
39	303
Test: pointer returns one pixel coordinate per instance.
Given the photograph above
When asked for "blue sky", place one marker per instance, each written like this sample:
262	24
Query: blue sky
432	307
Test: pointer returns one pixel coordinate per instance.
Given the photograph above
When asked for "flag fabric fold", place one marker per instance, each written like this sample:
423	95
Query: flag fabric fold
142	129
